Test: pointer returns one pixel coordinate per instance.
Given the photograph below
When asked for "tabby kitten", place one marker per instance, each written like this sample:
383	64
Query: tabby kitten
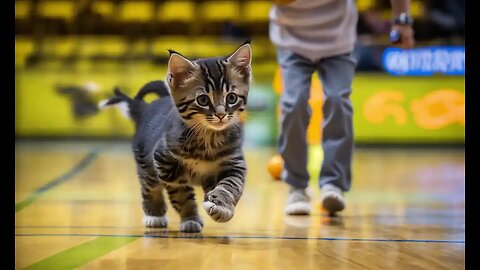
191	135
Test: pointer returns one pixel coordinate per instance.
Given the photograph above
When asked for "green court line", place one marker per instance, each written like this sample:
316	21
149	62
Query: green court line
81	254
87	160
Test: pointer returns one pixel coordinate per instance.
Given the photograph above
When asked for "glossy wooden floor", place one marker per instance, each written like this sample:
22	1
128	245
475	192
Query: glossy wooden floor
78	206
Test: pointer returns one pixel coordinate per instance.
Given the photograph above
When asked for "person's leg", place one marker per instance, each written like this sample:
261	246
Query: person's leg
295	116
336	74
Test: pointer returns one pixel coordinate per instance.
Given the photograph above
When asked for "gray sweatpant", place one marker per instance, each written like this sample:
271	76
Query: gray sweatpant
336	74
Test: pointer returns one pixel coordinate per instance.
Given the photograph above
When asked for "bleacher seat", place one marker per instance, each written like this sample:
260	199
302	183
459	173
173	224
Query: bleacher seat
22	17
22	9
215	11
176	11
104	8
23	48
113	29
136	11
175	18
256	11
60	9
363	5
417	9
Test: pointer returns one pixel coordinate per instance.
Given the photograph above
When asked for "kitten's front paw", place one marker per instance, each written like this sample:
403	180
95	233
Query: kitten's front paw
190	226
218	212
193	224
219	205
155	222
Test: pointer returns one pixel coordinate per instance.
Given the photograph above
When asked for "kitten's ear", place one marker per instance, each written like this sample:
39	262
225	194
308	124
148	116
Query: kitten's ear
242	57
179	68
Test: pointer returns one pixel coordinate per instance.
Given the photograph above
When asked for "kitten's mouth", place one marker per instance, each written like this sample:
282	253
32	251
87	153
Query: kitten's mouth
218	125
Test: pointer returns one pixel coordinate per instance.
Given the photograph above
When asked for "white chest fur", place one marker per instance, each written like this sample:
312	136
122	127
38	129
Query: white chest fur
200	168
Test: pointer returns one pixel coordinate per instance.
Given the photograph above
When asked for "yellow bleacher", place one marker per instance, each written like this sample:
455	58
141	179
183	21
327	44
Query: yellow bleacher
213	47
115	46
56	9
104	8
417	9
176	11
23	48
363	5
177	43
219	10
111	46
63	46
256	11
208	46
138	47
88	46
182	14
136	11
21	9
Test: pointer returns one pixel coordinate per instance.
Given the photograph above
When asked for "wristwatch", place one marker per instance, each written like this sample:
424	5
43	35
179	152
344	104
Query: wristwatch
403	19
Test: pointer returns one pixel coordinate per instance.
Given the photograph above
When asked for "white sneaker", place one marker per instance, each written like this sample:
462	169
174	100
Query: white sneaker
332	198
298	202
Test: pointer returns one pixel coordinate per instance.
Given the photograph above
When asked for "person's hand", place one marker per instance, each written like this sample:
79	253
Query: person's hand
407	40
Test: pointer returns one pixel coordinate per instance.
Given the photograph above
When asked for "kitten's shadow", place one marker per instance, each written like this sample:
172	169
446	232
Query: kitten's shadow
165	233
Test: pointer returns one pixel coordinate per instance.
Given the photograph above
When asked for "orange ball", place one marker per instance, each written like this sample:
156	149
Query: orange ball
275	166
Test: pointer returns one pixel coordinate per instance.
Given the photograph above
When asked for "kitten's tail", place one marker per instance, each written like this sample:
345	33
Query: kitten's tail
156	87
134	107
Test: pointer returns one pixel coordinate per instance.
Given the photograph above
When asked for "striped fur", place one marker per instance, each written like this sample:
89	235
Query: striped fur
182	140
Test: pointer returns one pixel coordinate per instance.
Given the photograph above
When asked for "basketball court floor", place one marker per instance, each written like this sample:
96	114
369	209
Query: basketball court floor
77	206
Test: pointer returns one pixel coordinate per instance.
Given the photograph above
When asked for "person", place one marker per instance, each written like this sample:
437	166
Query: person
319	35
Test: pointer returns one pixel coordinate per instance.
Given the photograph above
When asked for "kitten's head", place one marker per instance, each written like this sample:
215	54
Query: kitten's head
211	93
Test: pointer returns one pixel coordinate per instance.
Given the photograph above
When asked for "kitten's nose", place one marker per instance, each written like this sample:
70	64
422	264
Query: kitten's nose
220	115
220	111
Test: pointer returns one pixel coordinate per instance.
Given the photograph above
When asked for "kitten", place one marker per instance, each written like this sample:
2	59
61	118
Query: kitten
191	135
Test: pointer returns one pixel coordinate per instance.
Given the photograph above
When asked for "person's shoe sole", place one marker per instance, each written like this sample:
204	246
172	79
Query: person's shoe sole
333	202
298	208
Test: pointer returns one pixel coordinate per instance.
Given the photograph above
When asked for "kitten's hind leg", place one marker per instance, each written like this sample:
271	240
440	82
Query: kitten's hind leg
183	200
154	207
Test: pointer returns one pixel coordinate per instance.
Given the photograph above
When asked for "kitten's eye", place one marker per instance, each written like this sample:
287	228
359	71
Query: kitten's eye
203	100
231	98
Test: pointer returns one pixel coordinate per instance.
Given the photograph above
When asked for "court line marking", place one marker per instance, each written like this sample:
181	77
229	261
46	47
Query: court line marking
79	255
196	236
114	227
82	165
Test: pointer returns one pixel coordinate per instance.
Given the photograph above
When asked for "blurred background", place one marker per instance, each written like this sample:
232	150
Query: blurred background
69	54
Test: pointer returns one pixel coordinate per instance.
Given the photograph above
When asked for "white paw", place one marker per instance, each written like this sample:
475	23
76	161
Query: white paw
217	212
155	222
190	226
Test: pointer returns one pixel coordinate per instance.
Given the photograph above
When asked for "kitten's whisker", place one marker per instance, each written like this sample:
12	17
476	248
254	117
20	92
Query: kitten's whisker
189	135
195	133
239	129
205	130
